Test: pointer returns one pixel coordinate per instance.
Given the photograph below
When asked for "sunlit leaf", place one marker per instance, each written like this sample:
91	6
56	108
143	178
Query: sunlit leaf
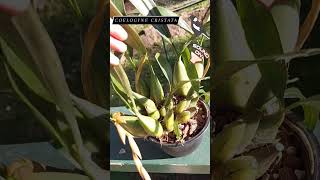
120	6
190	67
118	88
138	73
123	78
182	23
165	68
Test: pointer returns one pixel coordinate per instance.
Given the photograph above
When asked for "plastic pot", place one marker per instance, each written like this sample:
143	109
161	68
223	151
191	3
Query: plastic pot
309	144
179	149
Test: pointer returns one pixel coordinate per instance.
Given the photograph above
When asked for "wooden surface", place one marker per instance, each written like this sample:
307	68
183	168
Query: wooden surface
154	159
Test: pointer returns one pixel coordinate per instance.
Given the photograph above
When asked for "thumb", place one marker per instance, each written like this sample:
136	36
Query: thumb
113	59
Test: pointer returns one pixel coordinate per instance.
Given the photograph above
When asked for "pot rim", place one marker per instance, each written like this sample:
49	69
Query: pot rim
197	136
312	144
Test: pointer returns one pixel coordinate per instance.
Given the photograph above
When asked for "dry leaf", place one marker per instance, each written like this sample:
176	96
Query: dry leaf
134	146
122	133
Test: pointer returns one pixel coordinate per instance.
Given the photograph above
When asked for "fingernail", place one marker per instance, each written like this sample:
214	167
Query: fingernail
113	59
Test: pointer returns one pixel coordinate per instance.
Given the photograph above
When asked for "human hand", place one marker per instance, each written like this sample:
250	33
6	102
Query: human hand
117	36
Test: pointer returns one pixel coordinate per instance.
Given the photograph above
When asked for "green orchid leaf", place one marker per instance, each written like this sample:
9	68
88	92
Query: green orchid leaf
190	67
227	69
13	39
311	111
120	6
24	72
122	96
226	143
176	130
313	101
93	124
241	162
123	78
243	174
165	68
121	75
232	46
241	168
182	23
119	89
75	6
252	121
286	17
40	117
89	109
35	36
265	158
231	39
269	127
293	93
256	19
311	108
311	116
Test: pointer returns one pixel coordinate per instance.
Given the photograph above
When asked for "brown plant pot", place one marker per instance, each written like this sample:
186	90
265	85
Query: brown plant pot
309	145
190	145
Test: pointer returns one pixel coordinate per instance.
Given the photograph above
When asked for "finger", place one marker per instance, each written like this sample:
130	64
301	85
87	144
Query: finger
117	31
195	58
117	45
113	59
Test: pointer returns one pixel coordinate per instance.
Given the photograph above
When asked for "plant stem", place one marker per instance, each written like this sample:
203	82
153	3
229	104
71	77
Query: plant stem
165	49
41	118
74	4
175	49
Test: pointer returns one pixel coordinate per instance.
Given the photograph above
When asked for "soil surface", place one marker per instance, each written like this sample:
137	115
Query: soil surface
292	165
223	117
190	129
